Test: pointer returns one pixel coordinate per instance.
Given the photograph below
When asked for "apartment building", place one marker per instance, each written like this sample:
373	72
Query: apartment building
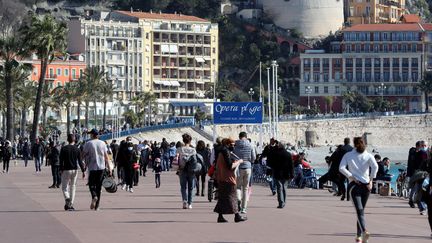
374	11
174	56
377	60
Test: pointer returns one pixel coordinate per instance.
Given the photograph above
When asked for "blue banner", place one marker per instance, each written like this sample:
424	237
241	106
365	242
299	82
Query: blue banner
237	112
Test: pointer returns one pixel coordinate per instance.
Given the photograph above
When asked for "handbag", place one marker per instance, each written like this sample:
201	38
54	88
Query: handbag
136	166
109	184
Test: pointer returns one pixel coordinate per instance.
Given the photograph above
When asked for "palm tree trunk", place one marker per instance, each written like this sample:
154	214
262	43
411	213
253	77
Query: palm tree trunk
427	102
3	123
44	118
95	113
86	122
37	107
104	115
79	114
68	124
9	105
23	121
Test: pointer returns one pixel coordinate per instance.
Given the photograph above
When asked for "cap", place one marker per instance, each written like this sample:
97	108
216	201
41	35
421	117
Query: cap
93	131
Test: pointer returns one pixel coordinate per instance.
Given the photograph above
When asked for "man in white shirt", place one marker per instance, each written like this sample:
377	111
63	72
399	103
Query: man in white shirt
95	156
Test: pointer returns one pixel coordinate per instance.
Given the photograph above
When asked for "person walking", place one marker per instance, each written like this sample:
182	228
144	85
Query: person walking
70	159
360	179
7	155
202	150
157	170
129	158
26	151
283	170
244	150
165	154
53	157
37	153
144	157
226	164
187	179
95	156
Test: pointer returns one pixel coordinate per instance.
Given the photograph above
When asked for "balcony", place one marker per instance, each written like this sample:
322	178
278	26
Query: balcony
116	62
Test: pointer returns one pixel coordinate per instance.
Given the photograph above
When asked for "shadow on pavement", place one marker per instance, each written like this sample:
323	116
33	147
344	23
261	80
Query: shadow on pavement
391	236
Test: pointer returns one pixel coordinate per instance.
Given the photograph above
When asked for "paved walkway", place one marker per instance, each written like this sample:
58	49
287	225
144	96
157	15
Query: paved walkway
30	212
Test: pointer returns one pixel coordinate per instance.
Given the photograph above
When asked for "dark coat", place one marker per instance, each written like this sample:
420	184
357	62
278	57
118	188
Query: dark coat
281	164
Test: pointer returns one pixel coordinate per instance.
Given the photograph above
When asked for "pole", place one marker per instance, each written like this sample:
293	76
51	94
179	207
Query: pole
274	99
214	101
269	102
277	102
261	125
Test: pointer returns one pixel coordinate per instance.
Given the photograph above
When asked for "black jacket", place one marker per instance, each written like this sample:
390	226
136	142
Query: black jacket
70	158
281	164
54	156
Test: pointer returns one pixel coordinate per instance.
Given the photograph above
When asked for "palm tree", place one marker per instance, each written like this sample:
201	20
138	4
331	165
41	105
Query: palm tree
64	95
106	91
10	51
45	36
145	101
25	98
93	79
425	85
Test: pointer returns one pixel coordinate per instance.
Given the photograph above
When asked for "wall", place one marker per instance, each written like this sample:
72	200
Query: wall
382	131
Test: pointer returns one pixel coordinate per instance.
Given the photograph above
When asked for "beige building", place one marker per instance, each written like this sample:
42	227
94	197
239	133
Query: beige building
375	11
174	56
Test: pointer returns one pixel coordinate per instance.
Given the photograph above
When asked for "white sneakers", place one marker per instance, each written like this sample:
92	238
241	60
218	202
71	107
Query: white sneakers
130	190
189	206
124	187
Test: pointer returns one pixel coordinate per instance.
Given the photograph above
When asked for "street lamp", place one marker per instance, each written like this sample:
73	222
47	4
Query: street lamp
382	87
251	93
308	91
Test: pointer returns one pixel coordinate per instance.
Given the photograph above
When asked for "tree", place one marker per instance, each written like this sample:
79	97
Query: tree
10	51
45	36
93	79
130	117
106	90
329	102
64	95
425	85
25	98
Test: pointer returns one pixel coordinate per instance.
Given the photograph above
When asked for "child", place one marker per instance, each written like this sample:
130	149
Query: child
157	169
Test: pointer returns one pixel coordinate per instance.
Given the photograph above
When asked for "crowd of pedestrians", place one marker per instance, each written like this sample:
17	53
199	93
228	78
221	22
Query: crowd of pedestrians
229	162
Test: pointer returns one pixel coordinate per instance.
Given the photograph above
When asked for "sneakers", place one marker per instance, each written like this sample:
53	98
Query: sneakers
358	240
365	237
221	220
238	218
124	187
93	203
243	211
185	205
189	206
68	204
411	204
52	186
130	190
423	212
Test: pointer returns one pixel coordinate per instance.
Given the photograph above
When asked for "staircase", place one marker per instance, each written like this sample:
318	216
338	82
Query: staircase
202	133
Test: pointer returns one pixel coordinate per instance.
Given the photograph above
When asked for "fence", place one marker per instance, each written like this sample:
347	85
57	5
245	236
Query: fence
148	129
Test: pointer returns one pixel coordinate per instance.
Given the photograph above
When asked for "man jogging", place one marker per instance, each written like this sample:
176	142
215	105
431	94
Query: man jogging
95	155
69	160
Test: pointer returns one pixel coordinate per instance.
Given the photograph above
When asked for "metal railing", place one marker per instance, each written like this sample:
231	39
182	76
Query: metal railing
130	132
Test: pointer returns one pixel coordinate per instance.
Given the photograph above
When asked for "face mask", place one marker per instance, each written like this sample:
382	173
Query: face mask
424	149
130	148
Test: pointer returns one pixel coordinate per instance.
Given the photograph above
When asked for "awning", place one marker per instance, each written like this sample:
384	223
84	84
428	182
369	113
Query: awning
199	81
207	58
166	83
173	49
158	82
187	104
199	59
165	48
175	83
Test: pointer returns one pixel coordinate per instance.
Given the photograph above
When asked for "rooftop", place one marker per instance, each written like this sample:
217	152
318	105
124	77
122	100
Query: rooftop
410	18
162	16
385	27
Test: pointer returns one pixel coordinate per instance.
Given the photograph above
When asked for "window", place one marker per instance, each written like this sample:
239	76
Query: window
66	72
326	77
325	90
337	76
58	84
59	71
316	77
81	72
316	90
74	73
337	89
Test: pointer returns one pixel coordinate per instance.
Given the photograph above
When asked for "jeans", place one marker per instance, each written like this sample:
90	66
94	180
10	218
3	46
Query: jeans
95	184
25	158
243	181
68	181
129	174
359	194
187	181
272	185
417	188
37	163
6	165
165	162
55	171
201	177
157	180
281	191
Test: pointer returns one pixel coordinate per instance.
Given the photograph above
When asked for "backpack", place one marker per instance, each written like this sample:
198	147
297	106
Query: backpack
194	164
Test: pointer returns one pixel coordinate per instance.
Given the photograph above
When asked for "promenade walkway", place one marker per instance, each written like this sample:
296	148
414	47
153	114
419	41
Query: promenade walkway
30	212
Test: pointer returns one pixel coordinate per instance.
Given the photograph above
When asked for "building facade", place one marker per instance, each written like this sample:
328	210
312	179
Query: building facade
173	56
376	60
374	11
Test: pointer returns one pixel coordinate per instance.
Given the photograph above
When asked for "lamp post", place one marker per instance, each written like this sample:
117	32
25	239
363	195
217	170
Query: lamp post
382	87
251	93
269	103
308	90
